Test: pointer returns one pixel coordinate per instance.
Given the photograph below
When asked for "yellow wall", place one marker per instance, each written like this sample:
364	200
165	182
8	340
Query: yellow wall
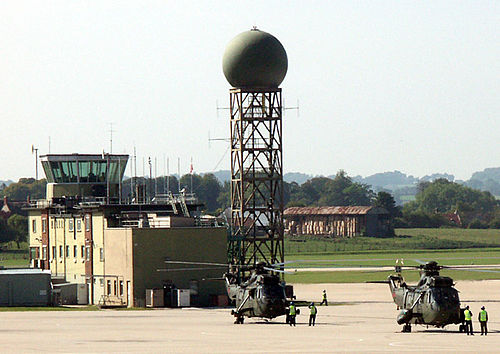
35	238
118	264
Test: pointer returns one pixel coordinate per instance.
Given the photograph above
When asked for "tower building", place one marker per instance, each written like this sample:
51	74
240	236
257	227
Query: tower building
255	63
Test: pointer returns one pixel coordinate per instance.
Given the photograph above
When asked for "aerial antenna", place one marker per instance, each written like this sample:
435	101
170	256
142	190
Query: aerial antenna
34	150
218	108
285	108
179	171
111	137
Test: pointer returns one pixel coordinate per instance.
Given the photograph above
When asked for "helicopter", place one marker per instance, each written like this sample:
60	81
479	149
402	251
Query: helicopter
433	301
262	294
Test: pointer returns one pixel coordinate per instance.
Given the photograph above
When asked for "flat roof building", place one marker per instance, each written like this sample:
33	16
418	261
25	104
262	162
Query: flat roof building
83	233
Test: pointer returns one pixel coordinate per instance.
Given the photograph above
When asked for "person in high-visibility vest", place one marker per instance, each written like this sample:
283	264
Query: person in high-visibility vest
312	314
292	312
468	321
483	319
325	300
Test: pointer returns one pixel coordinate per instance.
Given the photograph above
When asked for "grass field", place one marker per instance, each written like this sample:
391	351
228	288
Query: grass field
14	258
406	239
446	246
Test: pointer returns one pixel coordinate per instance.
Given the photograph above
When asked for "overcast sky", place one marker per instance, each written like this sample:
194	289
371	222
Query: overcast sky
382	85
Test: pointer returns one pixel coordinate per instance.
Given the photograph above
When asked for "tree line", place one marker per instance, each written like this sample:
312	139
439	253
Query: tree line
477	209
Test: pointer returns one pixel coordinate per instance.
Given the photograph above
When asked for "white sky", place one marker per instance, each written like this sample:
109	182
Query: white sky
382	85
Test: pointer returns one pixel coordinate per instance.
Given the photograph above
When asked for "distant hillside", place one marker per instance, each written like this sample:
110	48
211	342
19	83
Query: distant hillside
225	175
296	177
486	180
387	180
487	174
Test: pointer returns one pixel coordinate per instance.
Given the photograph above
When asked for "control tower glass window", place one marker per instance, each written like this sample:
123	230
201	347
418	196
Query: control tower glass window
92	169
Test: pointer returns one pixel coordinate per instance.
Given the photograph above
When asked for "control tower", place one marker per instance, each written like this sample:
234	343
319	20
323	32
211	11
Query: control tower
255	63
84	175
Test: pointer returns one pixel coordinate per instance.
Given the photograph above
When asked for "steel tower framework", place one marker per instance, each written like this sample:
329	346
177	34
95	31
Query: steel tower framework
256	177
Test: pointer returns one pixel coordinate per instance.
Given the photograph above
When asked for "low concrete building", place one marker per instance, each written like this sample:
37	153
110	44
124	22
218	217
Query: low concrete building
25	287
337	221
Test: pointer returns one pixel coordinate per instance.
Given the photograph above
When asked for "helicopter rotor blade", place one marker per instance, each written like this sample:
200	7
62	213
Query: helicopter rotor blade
197	263
278	270
185	269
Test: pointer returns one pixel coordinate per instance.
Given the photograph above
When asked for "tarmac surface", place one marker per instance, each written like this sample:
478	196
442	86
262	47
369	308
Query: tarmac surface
362	319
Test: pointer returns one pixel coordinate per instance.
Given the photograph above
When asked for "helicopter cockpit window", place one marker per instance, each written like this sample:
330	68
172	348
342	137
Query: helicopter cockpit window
274	292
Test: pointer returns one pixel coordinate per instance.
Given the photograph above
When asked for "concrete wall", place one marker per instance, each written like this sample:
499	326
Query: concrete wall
118	266
151	247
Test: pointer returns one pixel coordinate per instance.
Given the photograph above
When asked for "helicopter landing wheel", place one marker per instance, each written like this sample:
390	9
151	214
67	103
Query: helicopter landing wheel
239	320
406	328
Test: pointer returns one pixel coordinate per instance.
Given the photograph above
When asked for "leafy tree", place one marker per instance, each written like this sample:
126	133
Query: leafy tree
18	225
24	188
206	187
6	233
224	198
343	191
385	200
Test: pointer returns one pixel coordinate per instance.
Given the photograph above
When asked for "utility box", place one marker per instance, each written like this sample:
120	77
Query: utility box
183	298
154	298
82	297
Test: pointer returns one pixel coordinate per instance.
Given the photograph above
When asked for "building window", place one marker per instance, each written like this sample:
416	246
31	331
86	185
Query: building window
44	225
34	252
121	287
87	222
101	281
115	287
52	223
44	253
61	252
33	226
75	251
67	251
78	225
83	252
108	287
101	254
70	225
53	252
87	253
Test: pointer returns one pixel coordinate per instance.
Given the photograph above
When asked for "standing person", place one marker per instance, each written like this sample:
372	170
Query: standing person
483	319
292	313
325	300
312	314
468	321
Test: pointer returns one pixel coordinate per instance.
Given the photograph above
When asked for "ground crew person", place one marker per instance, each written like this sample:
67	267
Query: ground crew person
292	312
312	314
468	321
325	300
483	319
